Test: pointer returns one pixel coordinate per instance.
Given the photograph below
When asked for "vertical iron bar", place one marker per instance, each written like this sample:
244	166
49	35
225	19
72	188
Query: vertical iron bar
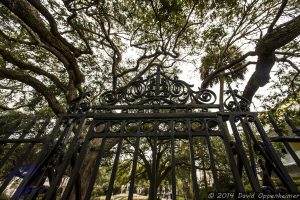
95	170
157	83
134	162
9	153
267	156
52	159
173	162
23	157
9	132
75	171
34	193
268	145
153	174
97	162
114	170
237	178
193	167
248	140
295	130
292	153
133	170
287	145
212	159
12	129
60	172
3	121
253	179
39	162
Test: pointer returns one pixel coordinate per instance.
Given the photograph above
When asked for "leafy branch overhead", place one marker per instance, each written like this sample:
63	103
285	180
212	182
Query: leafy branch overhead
51	51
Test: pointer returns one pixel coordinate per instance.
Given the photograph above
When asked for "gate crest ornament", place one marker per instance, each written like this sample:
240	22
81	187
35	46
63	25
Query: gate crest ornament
158	89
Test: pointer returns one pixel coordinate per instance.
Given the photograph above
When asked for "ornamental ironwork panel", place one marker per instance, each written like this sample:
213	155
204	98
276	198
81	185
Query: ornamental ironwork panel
158	89
154	138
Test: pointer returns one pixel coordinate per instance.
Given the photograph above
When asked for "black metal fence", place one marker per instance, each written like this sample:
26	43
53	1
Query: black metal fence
157	134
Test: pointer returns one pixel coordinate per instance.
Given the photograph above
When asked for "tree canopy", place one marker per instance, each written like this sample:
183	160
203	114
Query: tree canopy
51	50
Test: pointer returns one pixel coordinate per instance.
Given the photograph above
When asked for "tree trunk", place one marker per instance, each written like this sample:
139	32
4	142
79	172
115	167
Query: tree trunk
261	76
89	161
265	50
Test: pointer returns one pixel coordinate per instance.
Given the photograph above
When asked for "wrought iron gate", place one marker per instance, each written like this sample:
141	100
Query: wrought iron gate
62	158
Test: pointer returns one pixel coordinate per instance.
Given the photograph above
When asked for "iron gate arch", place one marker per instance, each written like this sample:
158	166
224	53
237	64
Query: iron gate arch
154	108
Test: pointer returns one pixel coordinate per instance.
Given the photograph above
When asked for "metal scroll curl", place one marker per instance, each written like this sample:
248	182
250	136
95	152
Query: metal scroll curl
180	91
205	96
81	104
235	102
110	97
177	89
135	91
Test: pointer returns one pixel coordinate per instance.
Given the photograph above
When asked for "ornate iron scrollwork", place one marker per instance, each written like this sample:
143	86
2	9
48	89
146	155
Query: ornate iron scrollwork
158	88
235	102
80	104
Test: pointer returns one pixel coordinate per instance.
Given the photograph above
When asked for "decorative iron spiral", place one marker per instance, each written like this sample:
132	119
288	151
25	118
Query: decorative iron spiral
177	89
238	103
205	97
180	91
110	97
135	91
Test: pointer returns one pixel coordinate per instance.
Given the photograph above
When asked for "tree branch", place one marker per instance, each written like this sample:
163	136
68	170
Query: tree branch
238	68
16	40
78	30
293	65
5	108
285	101
279	13
140	59
206	82
31	18
157	19
22	65
279	36
36	84
176	54
117	56
230	41
53	25
265	49
287	53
